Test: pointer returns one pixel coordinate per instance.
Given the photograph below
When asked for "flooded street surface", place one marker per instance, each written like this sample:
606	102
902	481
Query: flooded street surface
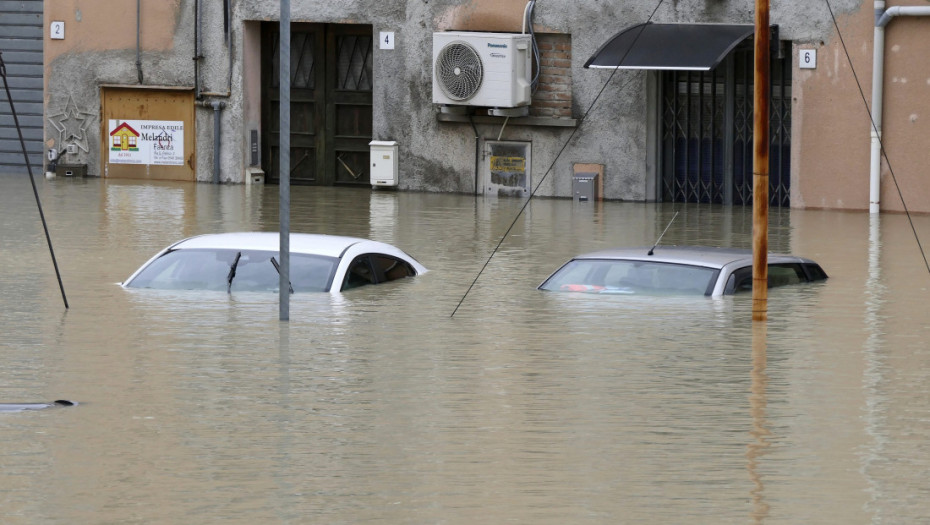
378	406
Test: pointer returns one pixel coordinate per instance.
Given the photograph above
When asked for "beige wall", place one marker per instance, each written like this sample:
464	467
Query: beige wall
830	135
92	25
831	127
906	123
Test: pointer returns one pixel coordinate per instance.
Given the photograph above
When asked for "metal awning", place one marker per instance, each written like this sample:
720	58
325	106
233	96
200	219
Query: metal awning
688	47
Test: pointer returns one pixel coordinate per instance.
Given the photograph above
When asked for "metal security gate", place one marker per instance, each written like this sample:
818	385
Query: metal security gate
331	103
707	118
21	45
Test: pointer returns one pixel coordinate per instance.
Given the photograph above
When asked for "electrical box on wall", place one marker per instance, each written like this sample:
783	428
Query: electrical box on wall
508	168
383	162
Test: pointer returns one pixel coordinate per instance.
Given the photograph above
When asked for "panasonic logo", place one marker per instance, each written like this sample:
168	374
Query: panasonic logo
499	46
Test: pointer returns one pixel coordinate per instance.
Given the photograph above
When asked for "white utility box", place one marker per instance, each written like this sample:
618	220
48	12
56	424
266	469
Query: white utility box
383	162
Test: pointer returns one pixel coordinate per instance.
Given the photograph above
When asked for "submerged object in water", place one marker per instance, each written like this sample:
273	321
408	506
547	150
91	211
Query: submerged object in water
19	407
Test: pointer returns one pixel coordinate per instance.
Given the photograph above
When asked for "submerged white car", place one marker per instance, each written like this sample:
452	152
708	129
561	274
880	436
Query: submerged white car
676	270
249	261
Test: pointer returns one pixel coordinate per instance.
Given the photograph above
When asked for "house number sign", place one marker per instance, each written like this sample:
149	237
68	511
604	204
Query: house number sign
808	59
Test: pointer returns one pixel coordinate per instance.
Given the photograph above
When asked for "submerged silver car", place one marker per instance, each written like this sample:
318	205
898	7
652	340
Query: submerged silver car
250	262
676	270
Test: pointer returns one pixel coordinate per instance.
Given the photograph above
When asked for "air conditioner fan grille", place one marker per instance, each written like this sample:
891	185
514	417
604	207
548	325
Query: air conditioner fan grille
459	71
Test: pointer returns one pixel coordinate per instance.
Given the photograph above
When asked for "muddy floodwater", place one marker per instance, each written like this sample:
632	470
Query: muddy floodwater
380	406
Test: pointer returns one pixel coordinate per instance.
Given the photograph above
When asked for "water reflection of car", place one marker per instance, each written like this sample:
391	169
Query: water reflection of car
676	270
250	261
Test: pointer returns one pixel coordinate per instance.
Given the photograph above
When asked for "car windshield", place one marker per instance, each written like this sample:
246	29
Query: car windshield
250	270
631	277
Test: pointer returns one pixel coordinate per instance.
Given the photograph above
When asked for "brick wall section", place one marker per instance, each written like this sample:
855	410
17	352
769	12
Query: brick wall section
554	96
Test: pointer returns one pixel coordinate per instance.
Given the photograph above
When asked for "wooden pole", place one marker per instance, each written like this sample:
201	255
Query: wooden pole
760	170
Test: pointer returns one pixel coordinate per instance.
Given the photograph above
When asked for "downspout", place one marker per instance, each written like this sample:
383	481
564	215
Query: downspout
882	18
139	39
217	106
198	46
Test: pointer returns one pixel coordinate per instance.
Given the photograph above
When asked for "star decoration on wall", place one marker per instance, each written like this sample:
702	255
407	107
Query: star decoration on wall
71	124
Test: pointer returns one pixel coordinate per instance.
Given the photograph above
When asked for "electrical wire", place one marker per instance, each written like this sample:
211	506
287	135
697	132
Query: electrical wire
35	191
558	155
884	154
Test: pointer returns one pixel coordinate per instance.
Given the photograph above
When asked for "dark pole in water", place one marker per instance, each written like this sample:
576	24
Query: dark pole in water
35	191
760	176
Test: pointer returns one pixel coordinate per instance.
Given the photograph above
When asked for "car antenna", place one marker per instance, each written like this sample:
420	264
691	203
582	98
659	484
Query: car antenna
663	234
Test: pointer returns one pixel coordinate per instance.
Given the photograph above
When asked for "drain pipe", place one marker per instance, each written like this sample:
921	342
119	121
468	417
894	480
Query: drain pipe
198	46
882	18
139	40
218	106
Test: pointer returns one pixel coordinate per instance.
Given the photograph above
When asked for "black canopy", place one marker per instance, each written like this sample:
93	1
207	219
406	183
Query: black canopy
695	47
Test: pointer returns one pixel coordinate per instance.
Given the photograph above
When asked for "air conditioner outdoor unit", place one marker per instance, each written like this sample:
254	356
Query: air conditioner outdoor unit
482	69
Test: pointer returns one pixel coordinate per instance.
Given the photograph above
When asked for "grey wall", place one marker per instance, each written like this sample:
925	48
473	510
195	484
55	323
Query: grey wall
437	156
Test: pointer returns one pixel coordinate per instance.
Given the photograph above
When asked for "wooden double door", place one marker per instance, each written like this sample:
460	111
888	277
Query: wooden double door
331	86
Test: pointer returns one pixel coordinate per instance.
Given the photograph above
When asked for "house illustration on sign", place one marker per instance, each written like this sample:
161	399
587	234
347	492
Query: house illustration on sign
124	138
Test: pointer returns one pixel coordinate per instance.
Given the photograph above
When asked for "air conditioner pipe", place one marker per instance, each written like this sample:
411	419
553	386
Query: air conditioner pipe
882	18
477	151
218	106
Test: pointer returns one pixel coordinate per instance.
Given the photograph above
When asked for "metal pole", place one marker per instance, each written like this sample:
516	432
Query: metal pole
284	163
875	126
760	175
35	191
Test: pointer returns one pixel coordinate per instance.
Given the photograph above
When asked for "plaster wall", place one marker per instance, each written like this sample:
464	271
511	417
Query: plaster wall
100	49
616	132
906	121
830	127
831	134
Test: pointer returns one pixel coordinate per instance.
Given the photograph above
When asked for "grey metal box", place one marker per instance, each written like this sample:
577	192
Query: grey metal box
584	187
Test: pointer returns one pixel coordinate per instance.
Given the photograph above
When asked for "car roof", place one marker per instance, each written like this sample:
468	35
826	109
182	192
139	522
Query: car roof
306	243
711	257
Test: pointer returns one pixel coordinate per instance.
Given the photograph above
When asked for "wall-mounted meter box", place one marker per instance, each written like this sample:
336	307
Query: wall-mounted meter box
383	162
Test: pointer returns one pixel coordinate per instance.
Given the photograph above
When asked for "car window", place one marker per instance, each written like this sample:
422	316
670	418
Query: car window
374	268
781	274
186	270
311	273
785	274
360	273
254	271
391	268
631	277
815	272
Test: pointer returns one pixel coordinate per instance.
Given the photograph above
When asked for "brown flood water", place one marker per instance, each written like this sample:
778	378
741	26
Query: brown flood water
377	406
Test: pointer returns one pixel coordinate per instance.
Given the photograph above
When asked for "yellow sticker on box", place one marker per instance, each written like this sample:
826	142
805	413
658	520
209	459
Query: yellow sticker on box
510	164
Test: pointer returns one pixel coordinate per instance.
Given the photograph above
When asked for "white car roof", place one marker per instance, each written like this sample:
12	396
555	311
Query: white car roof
308	243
